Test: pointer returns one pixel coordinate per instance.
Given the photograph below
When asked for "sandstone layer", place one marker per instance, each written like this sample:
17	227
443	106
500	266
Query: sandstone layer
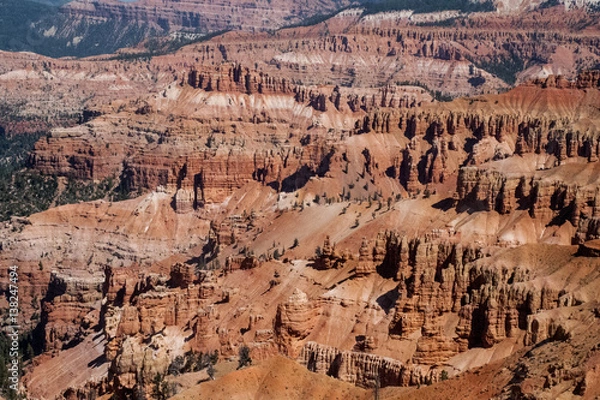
345	220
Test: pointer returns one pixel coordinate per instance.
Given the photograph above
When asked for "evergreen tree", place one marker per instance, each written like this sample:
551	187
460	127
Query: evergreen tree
211	371
244	357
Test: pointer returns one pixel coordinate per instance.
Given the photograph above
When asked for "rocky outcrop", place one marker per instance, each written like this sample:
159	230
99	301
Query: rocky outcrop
151	318
235	78
193	177
435	141
295	320
155	309
438	277
329	257
364	369
185	200
238	79
440	141
365	265
63	152
70	309
490	190
138	363
588	79
198	16
282	127
241	262
543	327
548	200
159	303
585	80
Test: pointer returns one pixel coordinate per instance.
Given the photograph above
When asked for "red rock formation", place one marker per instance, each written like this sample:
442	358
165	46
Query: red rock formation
192	15
295	320
329	257
363	369
151	307
365	260
545	199
534	148
70	309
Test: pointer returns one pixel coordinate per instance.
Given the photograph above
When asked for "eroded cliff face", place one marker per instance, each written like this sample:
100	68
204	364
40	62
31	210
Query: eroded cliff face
213	159
363	369
47	92
175	313
429	145
203	16
534	177
542	195
370	234
426	303
348	50
70	309
361	50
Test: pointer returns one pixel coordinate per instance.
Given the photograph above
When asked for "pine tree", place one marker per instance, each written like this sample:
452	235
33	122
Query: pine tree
244	357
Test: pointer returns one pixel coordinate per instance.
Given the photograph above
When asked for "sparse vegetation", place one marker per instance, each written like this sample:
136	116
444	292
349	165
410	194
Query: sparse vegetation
22	192
441	23
549	3
244	358
192	362
505	68
28	348
436	94
160	45
426	6
316	19
176	366
25	191
162	390
76	191
210	142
